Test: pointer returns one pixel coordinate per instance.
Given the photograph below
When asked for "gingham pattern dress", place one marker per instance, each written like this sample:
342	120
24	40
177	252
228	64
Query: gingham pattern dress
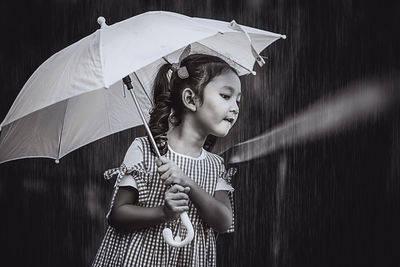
146	247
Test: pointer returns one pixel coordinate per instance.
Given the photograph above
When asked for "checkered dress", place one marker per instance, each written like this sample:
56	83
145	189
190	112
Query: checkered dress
146	247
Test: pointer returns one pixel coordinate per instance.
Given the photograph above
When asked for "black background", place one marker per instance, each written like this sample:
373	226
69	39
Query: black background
333	201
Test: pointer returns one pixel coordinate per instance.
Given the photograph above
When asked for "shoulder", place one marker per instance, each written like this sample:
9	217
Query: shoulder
136	145
219	163
134	155
214	157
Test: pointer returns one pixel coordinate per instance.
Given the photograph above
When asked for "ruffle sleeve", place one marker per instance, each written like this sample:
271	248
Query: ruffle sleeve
225	183
132	166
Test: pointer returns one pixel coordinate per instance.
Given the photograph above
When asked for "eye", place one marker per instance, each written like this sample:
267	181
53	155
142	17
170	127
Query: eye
224	96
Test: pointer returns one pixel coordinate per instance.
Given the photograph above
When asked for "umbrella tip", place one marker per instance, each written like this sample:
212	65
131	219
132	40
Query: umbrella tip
57	161
102	22
283	36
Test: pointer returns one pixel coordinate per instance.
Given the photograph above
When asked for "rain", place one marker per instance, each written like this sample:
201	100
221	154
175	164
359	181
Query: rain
316	144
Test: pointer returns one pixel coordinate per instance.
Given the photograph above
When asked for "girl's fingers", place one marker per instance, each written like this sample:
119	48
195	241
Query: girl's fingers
163	167
166	175
170	181
176	188
179	203
177	196
163	160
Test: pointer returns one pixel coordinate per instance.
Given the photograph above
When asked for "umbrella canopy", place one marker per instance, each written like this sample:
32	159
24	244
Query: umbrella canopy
76	96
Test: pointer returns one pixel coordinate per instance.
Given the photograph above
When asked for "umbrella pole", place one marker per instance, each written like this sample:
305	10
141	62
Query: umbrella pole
167	233
128	82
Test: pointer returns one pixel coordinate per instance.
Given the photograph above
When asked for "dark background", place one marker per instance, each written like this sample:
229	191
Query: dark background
333	201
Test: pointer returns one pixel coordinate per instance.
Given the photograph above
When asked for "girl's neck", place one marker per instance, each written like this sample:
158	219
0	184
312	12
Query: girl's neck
185	140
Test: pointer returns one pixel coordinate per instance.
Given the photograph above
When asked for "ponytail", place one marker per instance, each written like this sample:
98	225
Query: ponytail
158	123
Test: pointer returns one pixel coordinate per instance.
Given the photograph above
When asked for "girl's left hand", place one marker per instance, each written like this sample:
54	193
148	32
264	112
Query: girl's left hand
171	173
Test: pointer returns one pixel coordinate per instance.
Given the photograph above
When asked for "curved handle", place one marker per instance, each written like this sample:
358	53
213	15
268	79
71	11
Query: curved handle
177	241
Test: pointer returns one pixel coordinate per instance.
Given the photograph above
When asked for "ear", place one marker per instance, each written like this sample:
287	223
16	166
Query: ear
189	99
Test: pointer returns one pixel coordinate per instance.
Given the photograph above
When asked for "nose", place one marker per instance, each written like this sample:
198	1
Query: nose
235	108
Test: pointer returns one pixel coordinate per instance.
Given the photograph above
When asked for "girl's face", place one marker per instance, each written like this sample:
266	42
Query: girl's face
220	108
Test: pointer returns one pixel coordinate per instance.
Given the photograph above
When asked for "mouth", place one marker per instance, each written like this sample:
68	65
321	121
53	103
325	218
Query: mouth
230	120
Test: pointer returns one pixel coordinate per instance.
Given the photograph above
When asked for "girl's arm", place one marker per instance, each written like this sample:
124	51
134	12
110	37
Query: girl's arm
216	211
127	216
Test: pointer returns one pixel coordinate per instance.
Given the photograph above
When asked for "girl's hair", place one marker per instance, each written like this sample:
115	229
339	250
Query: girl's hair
168	94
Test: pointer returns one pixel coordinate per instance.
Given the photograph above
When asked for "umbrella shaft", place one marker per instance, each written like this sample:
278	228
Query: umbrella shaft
153	143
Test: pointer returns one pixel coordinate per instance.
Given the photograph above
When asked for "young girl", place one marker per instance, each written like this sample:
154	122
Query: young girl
195	101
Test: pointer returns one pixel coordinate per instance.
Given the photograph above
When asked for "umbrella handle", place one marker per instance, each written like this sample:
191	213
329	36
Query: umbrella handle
177	241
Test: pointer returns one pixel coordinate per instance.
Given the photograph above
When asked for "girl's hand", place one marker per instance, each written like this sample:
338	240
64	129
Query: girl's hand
171	173
176	201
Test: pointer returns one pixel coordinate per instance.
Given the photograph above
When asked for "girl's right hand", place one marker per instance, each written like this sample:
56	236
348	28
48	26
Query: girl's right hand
176	201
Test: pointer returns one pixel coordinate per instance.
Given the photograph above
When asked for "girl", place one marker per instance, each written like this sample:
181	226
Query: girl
196	100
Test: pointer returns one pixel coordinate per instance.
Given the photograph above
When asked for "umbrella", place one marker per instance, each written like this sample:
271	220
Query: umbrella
76	96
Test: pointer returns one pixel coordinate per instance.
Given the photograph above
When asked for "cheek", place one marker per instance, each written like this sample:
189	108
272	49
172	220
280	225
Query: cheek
213	108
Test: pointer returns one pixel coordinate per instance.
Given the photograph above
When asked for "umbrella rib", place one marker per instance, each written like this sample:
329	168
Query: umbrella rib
226	58
166	60
220	55
62	130
144	90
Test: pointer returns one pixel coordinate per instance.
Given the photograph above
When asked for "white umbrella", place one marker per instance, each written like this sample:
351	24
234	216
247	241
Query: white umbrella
76	96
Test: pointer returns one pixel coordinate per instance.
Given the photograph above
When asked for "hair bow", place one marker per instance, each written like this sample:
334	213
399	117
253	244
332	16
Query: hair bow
182	72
